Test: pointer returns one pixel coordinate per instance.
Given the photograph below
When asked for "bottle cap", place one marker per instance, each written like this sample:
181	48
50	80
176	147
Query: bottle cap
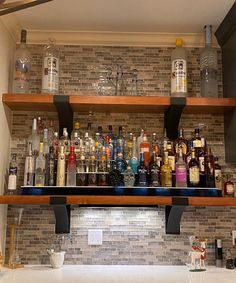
178	42
77	125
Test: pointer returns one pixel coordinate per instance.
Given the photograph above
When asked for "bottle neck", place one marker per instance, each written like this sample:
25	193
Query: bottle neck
208	35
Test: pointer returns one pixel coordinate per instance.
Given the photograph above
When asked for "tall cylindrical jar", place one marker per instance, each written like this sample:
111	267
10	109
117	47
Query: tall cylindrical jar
50	70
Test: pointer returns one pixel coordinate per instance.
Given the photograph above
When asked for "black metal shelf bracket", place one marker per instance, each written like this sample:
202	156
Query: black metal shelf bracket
172	116
65	113
62	214
173	214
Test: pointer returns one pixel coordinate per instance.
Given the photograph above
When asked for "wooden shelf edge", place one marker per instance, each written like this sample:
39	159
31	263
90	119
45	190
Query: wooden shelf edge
119	200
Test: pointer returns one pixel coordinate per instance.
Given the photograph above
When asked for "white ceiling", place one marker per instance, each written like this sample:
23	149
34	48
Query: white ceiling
165	16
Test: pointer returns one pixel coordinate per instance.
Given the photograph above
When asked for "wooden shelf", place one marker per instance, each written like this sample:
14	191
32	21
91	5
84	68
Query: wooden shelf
137	104
119	200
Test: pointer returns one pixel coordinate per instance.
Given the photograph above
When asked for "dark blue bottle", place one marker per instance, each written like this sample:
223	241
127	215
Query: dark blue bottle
142	170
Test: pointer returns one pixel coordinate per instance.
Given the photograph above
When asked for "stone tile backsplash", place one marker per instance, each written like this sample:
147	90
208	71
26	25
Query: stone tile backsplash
130	235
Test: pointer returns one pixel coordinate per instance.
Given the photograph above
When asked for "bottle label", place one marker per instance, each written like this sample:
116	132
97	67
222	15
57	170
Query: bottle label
144	149
50	74
202	164
218	179
183	147
181	175
194	176
11	183
179	76
197	143
230	189
171	160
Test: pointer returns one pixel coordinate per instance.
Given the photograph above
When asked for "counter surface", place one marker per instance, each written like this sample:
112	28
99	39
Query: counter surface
115	273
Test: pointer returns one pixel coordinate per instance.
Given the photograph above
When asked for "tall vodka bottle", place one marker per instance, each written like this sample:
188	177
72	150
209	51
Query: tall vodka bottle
21	66
208	66
71	168
40	168
50	70
34	138
179	70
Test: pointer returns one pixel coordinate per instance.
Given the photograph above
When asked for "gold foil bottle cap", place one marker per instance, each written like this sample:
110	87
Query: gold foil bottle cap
179	42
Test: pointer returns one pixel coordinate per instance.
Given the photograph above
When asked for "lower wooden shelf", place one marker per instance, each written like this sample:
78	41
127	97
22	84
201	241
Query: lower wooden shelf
118	200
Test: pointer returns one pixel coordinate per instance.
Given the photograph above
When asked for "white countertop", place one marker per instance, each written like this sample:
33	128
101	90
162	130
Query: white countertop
115	273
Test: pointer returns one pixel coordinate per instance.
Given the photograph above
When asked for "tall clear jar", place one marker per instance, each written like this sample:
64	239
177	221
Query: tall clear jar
50	69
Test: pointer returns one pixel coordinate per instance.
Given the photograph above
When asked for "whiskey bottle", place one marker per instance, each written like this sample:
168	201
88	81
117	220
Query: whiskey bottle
21	76
194	174
142	179
12	178
29	168
40	168
71	168
181	171
218	174
61	167
166	172
50	69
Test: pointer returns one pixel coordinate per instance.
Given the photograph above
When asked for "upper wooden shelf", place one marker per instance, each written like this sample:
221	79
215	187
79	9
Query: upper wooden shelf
142	104
119	200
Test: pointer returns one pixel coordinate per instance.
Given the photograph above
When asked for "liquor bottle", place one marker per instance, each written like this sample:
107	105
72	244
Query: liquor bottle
129	177
64	141
40	128
12	178
61	167
142	178
76	137
155	145
129	147
101	137
121	163
51	167
109	139
45	142
120	142
202	162
209	167
218	174
154	171
166	172
50	70
228	187
21	76
189	153
29	168
133	162
208	66
145	149
71	168
181	171
40	168
56	144
194	174
139	140
92	173
197	142
51	131
181	142
34	138
171	155
81	168
179	70
102	169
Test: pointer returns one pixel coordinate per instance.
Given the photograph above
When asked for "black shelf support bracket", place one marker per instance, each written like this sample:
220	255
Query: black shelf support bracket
173	214
62	214
172	116
65	113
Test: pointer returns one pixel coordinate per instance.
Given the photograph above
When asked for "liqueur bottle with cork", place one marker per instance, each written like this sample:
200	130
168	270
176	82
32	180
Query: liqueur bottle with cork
21	76
179	70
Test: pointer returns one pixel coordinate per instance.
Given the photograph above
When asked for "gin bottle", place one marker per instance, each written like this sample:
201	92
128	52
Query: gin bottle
21	66
208	66
50	70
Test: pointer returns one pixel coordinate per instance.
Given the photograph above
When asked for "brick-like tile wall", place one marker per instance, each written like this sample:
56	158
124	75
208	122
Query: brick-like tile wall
130	235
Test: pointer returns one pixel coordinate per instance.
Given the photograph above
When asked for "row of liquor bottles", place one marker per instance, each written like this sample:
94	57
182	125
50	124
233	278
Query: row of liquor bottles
88	159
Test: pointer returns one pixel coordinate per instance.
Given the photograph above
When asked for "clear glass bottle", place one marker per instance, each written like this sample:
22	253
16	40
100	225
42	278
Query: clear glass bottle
92	173
40	168
133	162
166	172
179	70
12	178
71	168
181	171
129	177
34	138
65	141
120	142
22	58
45	142
218	174
61	167
208	66
81	168
139	140
51	167
50	69
29	167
